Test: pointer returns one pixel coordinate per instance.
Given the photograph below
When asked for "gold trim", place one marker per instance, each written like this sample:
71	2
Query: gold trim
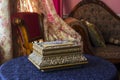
65	65
57	66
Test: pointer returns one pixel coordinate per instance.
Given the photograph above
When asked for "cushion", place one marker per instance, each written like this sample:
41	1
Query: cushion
94	34
79	27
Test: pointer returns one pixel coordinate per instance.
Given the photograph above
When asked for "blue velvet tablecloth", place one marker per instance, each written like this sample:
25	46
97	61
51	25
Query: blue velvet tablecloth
22	69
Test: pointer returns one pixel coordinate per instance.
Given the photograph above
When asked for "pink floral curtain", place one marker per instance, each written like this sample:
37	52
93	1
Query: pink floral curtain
54	27
5	32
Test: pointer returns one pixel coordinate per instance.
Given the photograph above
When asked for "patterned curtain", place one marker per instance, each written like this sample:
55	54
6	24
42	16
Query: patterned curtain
54	27
5	32
28	6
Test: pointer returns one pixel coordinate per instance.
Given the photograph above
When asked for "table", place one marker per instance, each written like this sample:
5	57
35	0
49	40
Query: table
22	69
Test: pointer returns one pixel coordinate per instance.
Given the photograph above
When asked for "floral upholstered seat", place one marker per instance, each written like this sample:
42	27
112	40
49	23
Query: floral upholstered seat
107	22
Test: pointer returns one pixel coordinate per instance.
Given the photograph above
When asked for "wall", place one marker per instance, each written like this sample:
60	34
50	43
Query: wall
69	4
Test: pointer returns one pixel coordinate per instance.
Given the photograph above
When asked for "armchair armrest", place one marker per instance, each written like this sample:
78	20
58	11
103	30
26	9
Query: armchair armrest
79	27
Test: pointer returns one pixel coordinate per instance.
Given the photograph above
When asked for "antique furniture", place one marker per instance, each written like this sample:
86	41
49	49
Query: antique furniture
57	54
103	18
26	28
80	28
22	69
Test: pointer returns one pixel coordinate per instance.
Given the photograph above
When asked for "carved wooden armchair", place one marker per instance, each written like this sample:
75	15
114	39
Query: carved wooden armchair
26	28
108	23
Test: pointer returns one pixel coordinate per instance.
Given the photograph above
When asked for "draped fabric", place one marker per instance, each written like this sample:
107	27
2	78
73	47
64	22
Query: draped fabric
58	6
54	27
5	32
34	6
28	6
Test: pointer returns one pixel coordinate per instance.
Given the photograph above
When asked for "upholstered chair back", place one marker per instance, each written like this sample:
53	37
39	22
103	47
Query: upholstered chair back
99	14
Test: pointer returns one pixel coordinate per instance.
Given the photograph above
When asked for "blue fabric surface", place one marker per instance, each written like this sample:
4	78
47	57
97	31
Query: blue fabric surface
0	78
22	69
